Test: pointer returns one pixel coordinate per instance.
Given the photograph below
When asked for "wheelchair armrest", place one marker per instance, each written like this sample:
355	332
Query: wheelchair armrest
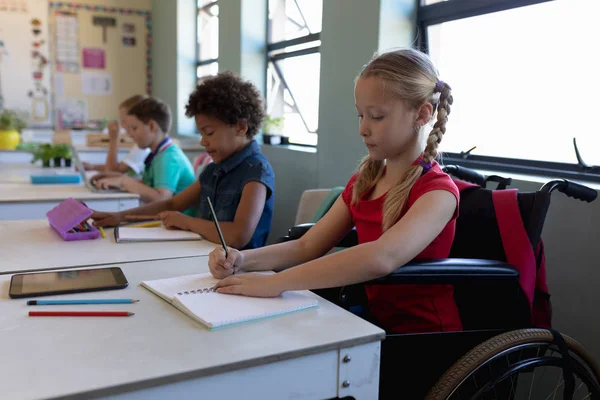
451	271
296	232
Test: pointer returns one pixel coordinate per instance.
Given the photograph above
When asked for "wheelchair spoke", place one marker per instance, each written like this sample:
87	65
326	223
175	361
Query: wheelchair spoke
553	394
533	377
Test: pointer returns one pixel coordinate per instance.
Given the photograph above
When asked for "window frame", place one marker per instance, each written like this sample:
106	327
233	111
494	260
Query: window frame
273	58
199	62
452	10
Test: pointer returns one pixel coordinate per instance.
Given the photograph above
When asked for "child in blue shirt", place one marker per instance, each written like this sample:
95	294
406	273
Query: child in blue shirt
240	182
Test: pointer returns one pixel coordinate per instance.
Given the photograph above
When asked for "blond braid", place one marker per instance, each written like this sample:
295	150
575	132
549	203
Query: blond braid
439	129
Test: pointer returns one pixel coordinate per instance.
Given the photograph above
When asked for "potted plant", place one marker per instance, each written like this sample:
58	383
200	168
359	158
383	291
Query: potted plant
11	124
273	131
43	152
60	152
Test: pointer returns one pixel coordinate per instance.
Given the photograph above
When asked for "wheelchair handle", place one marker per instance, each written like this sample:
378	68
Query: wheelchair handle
465	174
571	189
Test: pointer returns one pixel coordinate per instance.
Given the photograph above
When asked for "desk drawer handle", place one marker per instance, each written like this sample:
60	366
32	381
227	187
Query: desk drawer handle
347	358
346	384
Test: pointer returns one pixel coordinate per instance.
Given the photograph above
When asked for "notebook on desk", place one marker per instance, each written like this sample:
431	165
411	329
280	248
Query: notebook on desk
125	234
192	295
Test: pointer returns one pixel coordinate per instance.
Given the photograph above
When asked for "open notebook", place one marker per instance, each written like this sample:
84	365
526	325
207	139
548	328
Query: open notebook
192	295
125	234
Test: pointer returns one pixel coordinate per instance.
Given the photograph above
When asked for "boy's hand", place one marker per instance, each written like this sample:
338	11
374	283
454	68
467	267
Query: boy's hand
106	218
110	182
87	166
102	175
174	220
113	130
221	267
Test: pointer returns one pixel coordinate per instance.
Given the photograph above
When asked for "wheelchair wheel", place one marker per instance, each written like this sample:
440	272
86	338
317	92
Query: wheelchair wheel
522	364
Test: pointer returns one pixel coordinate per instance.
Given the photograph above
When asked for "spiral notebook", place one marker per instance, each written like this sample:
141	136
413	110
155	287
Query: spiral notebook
194	296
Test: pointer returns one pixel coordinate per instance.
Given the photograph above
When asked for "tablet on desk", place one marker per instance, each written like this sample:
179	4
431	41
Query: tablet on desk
62	282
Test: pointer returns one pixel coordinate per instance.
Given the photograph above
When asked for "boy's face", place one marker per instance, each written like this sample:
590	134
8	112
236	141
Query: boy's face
140	132
122	116
219	139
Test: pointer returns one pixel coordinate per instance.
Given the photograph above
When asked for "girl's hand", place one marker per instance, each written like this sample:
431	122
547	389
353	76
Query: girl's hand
106	218
221	267
103	175
174	220
253	285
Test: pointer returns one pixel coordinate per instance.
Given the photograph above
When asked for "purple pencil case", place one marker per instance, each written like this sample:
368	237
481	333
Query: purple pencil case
68	215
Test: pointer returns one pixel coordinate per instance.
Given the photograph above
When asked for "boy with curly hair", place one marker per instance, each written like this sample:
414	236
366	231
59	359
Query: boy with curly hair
240	182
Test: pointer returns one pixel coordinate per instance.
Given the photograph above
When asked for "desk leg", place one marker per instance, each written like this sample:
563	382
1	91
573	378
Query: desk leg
359	371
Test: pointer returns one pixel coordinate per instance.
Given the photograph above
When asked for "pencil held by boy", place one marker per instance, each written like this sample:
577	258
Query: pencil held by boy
133	163
240	181
167	170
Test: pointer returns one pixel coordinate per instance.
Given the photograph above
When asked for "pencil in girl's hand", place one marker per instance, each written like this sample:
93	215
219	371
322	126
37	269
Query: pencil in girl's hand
102	232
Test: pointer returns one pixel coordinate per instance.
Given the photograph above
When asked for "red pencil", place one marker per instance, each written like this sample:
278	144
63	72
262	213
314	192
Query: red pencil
80	314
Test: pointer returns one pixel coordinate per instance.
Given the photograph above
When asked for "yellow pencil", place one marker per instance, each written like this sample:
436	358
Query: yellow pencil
102	232
148	225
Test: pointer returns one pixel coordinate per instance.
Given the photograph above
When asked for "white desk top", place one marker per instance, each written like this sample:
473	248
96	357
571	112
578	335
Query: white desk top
51	357
20	192
33	245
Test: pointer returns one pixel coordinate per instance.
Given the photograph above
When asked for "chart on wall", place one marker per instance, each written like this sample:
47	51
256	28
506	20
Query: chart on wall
102	56
24	59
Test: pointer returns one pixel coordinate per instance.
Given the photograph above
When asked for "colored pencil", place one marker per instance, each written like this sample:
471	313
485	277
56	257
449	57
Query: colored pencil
80	301
80	313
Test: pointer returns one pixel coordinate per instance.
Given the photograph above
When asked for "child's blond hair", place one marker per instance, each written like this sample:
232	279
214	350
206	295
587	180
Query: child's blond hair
129	102
409	75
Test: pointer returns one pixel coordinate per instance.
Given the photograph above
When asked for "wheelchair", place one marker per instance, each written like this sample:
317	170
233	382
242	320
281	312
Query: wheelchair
500	354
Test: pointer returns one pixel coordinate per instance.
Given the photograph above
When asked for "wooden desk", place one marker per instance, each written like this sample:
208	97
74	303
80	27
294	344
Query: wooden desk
27	201
34	245
159	353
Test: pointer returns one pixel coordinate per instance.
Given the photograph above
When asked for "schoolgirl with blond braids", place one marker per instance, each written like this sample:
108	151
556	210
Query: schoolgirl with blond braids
401	202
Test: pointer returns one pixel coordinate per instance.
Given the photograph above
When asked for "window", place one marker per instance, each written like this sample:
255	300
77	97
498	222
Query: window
294	67
523	79
208	38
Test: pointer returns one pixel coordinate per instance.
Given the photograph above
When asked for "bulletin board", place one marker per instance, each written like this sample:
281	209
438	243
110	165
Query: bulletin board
24	60
101	56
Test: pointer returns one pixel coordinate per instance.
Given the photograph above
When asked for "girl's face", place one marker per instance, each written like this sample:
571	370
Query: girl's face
386	124
219	139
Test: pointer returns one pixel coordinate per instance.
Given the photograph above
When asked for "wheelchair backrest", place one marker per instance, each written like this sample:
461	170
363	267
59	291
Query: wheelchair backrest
478	236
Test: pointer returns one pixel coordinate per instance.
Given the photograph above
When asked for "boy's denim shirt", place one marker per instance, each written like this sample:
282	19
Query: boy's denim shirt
225	181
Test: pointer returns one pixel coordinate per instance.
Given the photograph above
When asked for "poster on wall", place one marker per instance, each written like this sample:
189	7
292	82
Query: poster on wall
71	112
94	58
14	6
96	84
24	60
67	46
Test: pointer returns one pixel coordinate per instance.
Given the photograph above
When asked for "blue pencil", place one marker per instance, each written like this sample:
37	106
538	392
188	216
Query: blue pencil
81	301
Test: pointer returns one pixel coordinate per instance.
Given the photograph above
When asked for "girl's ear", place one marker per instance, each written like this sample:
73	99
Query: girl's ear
241	127
424	114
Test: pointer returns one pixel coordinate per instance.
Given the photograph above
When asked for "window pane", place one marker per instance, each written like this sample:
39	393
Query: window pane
208	30
289	19
524	81
298	102
207	69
